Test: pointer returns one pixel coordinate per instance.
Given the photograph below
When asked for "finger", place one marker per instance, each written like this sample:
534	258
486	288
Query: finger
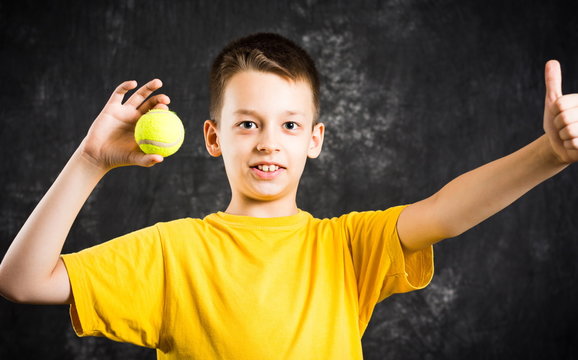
567	102
569	132
145	160
158	102
566	118
553	78
121	90
161	107
141	94
571	144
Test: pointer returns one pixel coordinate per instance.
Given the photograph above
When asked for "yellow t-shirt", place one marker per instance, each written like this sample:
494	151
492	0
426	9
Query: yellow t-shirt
237	287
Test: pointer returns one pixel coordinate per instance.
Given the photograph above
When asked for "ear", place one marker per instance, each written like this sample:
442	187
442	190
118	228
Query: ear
212	138
316	141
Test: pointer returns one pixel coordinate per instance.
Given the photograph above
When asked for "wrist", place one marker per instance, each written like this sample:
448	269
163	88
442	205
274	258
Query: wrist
87	163
549	155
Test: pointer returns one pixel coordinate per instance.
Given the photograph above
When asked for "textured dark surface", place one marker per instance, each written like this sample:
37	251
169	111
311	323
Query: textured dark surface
414	93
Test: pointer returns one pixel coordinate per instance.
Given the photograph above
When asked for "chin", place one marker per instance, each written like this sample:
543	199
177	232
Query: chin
268	193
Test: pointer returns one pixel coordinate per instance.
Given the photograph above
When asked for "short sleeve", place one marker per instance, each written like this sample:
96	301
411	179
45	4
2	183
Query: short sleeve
382	268
118	288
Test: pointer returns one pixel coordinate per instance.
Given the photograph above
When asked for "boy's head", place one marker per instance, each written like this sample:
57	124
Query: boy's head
264	109
263	52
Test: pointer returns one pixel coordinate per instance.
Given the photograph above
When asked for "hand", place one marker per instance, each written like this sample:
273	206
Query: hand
560	116
110	142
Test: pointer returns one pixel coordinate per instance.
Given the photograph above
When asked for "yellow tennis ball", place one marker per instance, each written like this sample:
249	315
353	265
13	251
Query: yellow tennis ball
159	132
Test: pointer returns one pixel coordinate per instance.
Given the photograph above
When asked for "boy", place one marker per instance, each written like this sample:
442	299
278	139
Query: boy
263	279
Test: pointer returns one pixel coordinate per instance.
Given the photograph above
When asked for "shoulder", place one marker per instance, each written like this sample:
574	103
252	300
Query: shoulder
358	222
391	213
186	224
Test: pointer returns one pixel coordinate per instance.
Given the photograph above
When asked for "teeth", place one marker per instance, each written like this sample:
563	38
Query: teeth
268	168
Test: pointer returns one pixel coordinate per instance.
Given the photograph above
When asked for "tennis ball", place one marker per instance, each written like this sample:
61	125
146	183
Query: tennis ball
159	132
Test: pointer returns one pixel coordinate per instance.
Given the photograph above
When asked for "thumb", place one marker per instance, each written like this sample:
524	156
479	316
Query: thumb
553	77
145	160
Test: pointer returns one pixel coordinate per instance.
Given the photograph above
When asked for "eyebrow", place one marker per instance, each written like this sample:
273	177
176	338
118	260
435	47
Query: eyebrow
256	114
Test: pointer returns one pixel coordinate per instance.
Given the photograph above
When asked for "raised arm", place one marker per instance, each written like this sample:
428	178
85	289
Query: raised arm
476	195
32	271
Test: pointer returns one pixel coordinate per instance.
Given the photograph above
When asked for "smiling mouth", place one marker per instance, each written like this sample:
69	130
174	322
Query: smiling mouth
267	168
267	172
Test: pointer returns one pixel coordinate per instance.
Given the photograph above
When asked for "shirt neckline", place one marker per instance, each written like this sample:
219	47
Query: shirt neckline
290	221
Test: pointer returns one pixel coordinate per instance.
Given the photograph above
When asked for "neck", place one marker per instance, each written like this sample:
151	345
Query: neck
286	206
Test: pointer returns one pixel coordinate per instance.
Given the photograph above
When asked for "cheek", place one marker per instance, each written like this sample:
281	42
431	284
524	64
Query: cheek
234	150
300	154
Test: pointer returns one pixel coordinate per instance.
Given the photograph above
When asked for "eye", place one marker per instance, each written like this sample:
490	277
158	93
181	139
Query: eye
291	125
247	125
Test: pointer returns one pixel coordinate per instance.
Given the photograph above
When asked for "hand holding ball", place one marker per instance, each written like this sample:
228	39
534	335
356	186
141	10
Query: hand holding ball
159	132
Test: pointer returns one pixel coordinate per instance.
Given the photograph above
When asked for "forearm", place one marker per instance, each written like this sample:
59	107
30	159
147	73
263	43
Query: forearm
33	254
476	195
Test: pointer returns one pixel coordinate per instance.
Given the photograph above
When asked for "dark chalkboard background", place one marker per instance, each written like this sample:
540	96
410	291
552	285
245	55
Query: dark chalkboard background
414	93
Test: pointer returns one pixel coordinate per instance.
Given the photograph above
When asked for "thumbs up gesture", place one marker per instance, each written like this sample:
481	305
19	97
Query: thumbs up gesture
560	116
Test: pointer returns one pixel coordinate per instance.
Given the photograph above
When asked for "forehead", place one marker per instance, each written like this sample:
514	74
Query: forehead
266	94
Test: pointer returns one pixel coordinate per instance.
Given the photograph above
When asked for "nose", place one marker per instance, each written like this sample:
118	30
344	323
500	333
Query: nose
267	147
268	143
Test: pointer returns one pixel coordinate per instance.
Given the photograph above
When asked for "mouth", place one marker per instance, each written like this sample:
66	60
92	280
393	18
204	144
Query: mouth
267	168
267	171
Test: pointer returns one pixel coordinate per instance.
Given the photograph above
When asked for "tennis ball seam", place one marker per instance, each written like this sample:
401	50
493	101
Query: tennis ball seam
156	130
158	143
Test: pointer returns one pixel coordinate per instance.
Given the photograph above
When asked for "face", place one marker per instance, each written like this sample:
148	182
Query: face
265	135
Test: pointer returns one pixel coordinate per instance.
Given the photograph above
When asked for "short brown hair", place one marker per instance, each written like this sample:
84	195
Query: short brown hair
265	52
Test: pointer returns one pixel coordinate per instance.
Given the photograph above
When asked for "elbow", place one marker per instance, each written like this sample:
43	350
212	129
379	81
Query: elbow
9	290
8	296
15	296
4	288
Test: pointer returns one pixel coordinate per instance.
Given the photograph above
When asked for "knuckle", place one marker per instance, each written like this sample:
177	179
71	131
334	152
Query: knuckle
153	84
564	118
572	131
571	143
559	103
124	86
558	122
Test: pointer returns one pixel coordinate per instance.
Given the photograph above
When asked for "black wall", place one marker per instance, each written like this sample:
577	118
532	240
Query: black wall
414	94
